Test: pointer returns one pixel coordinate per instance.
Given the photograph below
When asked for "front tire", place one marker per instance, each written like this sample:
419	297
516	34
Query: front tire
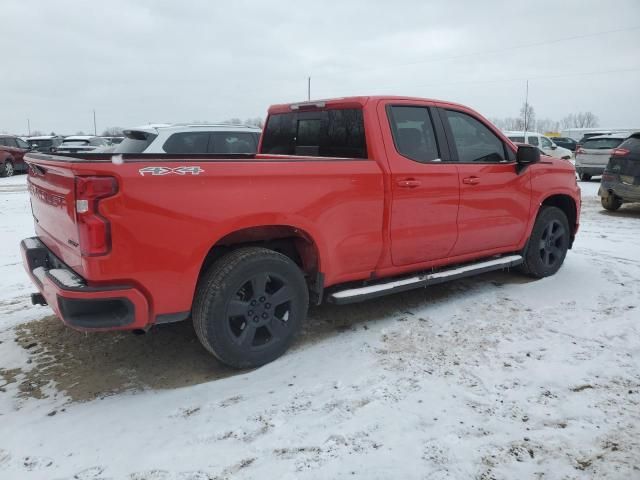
7	169
249	306
611	202
548	244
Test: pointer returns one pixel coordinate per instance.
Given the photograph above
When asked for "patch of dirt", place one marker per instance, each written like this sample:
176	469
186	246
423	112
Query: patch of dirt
88	366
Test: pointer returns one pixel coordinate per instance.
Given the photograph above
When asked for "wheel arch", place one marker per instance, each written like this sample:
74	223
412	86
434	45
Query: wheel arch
294	242
567	204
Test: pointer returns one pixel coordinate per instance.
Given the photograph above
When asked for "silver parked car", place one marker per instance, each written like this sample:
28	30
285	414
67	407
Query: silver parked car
593	155
81	144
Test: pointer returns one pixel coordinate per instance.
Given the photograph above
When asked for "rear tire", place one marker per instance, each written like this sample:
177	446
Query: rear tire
7	169
249	306
585	177
548	244
611	202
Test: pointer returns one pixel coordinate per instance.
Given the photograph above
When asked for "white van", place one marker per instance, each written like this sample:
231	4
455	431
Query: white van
543	143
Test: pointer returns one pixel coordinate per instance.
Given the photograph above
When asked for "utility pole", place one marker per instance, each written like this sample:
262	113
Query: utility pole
309	88
95	130
29	126
526	109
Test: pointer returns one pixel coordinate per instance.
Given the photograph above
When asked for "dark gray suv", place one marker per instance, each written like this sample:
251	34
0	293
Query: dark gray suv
621	178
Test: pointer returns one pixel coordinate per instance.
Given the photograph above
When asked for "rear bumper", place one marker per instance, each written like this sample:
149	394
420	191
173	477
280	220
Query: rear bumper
79	305
628	193
590	169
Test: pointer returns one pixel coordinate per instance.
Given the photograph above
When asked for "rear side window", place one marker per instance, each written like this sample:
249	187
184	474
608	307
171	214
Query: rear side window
473	140
187	143
231	142
413	133
325	133
517	139
533	141
602	143
10	142
134	141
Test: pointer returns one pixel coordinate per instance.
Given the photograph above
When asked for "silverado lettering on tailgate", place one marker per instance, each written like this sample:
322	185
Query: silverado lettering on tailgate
47	197
192	170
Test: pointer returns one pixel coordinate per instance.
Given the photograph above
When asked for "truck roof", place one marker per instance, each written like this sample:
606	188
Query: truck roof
351	102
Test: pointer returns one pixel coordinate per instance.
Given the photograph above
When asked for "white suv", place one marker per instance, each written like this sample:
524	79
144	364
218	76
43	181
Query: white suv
190	139
543	143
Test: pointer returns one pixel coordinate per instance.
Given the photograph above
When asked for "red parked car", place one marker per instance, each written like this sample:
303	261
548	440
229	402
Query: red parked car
347	200
12	150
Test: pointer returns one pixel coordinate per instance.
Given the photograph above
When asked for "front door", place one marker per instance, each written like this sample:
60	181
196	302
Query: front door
424	186
494	197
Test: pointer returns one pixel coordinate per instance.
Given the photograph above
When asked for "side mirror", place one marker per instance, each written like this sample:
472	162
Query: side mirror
527	155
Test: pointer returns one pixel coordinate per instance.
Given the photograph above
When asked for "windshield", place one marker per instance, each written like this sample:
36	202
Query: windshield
41	143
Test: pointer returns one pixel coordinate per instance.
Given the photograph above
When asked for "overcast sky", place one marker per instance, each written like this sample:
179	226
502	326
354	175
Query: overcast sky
137	62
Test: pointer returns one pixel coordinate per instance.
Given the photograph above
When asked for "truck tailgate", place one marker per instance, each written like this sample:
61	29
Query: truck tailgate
52	190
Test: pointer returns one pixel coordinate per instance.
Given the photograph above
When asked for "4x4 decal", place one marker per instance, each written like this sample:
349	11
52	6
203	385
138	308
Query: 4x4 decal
192	170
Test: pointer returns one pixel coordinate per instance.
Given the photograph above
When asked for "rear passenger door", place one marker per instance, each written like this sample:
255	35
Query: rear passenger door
494	198
424	184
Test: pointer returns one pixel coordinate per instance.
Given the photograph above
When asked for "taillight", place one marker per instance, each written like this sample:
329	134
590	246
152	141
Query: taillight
94	230
620	152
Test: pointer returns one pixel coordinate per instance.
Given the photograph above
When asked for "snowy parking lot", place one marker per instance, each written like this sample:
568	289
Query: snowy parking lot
494	377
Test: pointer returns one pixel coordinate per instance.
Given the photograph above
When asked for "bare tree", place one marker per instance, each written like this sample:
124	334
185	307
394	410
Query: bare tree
586	120
36	133
528	116
232	121
547	125
112	132
580	120
256	122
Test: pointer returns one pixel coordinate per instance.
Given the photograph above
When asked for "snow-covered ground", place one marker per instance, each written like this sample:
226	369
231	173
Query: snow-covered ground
492	377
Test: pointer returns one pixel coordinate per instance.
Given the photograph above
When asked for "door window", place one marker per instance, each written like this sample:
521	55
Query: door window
187	143
533	140
545	142
473	140
413	133
232	142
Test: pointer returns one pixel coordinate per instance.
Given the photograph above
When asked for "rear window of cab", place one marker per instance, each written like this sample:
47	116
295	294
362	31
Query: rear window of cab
323	133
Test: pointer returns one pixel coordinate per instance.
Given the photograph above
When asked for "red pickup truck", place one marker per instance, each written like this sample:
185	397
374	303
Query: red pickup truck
347	199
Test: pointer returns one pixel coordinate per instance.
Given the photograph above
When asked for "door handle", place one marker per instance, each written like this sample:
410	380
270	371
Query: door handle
471	180
409	183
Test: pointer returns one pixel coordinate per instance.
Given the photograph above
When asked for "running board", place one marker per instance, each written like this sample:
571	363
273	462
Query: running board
408	283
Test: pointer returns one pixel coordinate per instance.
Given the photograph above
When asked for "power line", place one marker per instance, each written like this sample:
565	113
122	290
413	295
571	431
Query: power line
494	51
518	79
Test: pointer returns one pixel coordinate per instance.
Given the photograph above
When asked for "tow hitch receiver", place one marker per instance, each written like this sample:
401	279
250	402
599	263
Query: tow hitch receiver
38	299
